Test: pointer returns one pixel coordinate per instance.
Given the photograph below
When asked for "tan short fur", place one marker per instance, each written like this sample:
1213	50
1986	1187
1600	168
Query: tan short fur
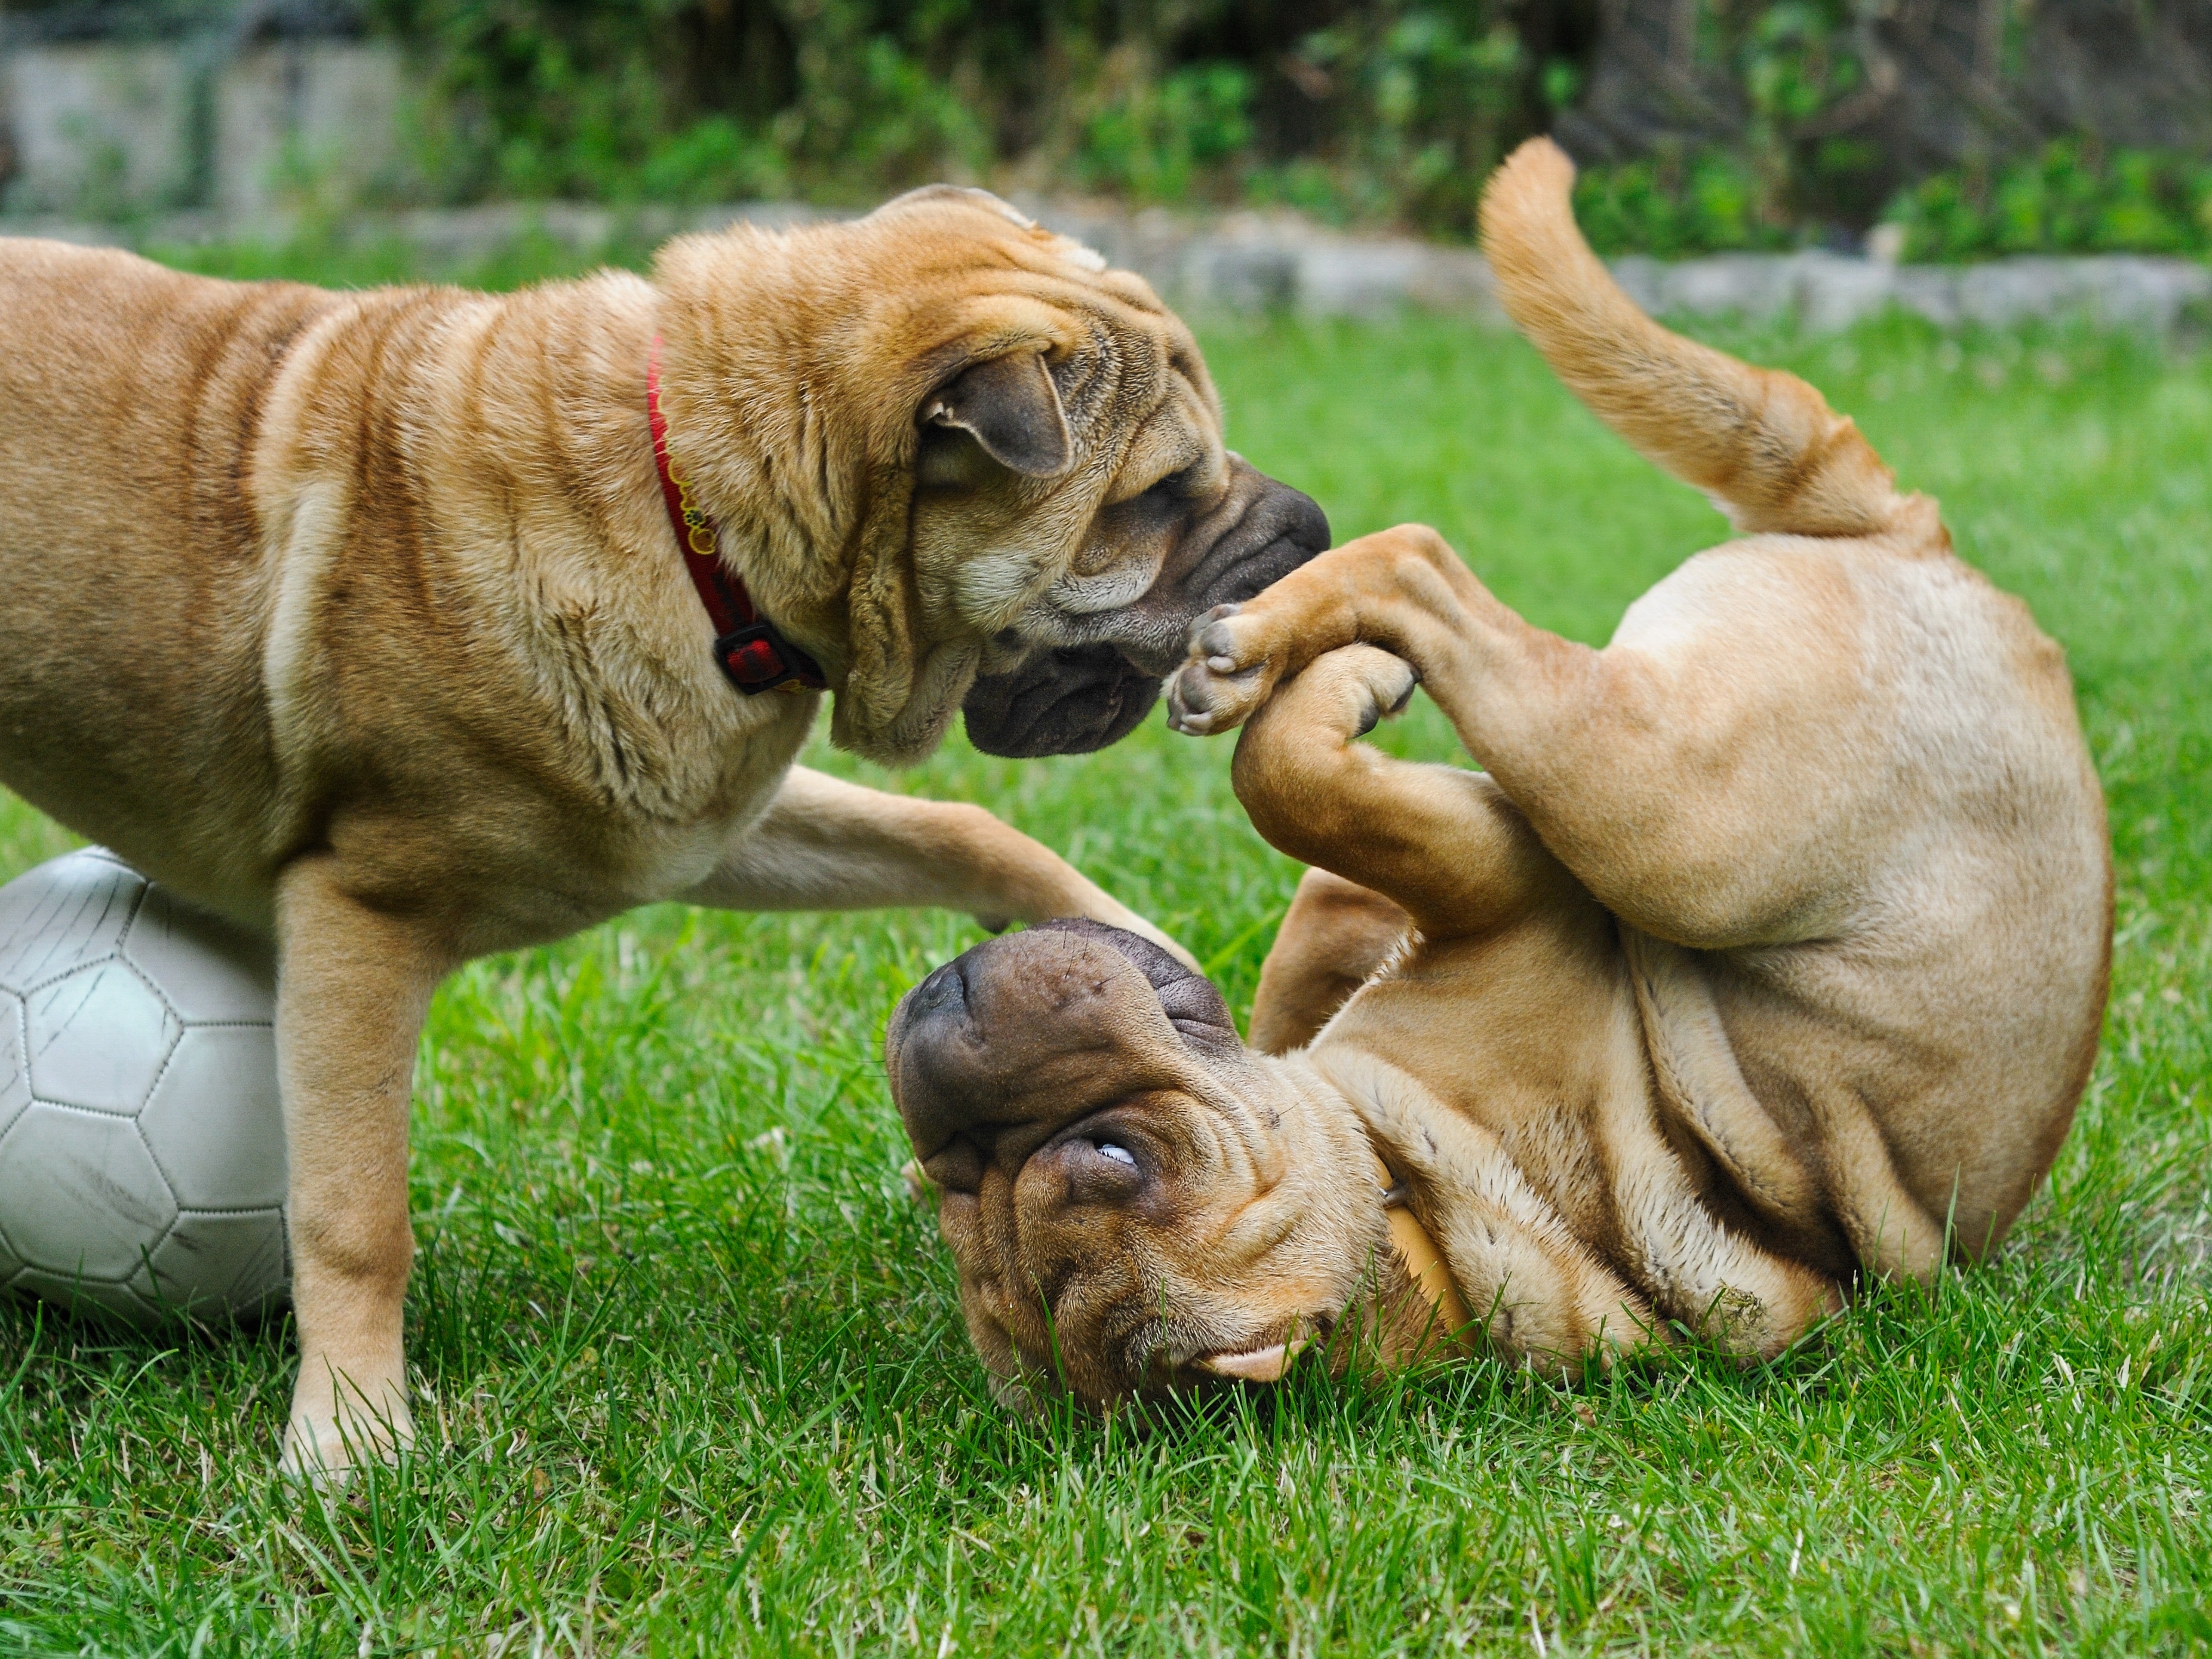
358	618
1769	947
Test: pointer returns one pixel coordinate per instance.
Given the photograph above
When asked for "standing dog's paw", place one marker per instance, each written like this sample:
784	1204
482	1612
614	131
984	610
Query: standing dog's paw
924	1192
1230	674
328	1436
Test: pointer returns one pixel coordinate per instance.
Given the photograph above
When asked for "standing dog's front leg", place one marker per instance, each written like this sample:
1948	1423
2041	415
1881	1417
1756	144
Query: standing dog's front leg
353	987
824	844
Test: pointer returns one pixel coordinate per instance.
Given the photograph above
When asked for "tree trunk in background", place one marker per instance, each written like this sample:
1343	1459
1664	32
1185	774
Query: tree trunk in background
1932	83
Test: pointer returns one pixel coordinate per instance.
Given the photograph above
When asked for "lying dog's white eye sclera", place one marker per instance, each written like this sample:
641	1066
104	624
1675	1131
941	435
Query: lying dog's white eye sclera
1119	1154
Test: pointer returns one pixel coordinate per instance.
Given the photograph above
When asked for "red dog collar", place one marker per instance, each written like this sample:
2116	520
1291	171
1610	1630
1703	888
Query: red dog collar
755	656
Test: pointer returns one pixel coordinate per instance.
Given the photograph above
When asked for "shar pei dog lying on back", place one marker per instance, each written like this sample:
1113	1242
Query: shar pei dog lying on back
1769	950
413	624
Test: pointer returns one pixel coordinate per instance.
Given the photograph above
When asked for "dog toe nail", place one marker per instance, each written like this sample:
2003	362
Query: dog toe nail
1222	665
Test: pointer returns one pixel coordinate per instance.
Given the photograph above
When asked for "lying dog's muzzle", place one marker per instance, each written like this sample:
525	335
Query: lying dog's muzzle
994	1052
1071	699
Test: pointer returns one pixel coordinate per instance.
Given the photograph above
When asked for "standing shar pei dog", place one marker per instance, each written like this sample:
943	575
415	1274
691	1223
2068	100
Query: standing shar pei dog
1769	950
362	618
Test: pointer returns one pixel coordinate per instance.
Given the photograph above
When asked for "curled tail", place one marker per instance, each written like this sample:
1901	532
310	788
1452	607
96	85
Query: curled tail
1763	444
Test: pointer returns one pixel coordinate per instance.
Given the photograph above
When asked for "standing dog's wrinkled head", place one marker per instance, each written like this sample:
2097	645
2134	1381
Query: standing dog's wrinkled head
968	465
1135	1199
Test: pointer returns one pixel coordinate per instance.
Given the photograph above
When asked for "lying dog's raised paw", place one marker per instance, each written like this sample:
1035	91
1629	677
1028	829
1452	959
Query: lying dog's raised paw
1229	675
1384	683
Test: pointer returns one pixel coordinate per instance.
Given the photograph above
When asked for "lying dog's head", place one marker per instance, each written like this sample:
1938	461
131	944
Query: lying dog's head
1134	1200
965	463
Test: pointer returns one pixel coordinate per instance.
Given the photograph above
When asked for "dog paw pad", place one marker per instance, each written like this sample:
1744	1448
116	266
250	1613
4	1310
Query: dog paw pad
1217	644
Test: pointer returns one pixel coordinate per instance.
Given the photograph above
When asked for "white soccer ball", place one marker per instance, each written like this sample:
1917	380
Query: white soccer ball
141	1146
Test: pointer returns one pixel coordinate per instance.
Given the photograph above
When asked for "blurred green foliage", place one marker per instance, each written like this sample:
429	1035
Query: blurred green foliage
1674	204
1788	79
1374	112
2070	196
1349	109
2068	199
1798	85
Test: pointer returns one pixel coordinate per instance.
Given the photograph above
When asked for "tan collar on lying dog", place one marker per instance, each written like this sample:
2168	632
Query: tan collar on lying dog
1423	1264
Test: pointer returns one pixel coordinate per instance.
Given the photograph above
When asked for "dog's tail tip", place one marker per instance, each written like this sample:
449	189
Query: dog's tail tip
1527	205
1536	165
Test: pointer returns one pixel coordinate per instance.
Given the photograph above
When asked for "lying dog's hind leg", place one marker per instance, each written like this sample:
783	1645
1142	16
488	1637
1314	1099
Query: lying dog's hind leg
1442	842
824	844
353	987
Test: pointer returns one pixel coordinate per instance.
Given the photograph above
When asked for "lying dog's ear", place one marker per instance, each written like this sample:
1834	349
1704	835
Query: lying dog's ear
1012	408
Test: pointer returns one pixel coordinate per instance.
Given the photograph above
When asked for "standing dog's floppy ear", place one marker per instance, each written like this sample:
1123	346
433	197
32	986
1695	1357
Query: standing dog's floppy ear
1012	408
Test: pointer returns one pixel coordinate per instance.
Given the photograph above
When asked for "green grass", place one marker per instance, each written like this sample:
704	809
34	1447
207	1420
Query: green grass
692	1378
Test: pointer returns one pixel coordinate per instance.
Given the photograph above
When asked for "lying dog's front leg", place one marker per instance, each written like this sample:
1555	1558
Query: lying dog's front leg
353	986
827	845
1696	783
1404	590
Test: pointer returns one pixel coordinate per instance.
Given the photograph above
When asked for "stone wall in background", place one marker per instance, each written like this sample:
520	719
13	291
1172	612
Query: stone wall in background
1243	264
102	130
310	114
106	140
105	130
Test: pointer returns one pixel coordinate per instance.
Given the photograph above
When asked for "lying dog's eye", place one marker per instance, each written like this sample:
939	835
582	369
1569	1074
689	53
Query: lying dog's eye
1169	486
1099	1172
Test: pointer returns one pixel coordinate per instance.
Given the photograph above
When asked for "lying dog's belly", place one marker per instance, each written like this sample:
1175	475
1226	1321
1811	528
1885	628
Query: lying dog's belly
1703	1125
